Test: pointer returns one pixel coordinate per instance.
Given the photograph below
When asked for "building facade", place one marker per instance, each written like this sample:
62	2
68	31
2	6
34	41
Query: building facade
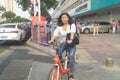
10	5
64	6
89	10
105	10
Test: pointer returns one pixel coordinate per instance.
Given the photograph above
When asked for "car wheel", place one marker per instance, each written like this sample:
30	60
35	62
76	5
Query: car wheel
86	31
110	31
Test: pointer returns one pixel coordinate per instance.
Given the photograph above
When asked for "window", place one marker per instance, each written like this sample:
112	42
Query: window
7	26
104	23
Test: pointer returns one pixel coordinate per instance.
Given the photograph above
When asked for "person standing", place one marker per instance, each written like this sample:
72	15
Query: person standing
65	26
48	25
95	27
78	27
113	26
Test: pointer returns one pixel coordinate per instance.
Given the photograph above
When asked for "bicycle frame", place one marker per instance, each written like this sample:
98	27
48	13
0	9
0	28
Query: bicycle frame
59	65
60	69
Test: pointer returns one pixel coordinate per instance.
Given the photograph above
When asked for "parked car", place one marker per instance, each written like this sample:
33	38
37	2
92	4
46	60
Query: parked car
27	29
12	32
103	27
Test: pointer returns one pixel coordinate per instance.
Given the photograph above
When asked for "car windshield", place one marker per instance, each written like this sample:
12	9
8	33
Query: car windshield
7	26
89	23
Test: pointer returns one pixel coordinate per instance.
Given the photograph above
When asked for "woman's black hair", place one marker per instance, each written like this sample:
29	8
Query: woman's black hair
113	20
48	19
60	23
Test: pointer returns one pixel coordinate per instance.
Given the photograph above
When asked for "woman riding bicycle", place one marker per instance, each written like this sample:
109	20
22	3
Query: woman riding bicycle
65	26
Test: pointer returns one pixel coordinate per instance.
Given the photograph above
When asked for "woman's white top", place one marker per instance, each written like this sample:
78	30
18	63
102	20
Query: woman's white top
61	34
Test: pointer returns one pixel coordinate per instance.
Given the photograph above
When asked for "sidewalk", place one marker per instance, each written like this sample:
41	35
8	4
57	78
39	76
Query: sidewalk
81	55
86	67
46	49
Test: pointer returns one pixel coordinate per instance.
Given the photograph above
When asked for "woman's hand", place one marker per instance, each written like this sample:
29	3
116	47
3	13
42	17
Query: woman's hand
69	41
50	41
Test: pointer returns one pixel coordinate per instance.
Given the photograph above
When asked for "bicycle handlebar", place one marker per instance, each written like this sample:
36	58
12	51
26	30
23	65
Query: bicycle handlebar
56	48
53	46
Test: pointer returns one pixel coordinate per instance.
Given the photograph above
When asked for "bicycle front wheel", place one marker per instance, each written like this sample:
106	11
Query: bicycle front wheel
54	74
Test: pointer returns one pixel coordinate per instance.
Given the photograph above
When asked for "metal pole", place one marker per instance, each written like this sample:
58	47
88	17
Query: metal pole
34	4
39	20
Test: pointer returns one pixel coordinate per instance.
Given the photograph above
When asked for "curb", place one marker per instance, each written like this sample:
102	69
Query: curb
41	48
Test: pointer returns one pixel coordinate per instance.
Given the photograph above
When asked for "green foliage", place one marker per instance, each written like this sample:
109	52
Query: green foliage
8	15
19	19
25	4
45	5
50	3
2	9
11	18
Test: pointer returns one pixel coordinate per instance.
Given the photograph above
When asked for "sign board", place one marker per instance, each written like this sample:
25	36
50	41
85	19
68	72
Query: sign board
84	7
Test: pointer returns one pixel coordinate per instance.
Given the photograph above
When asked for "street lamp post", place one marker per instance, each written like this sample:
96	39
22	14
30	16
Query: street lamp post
34	10
34	4
39	20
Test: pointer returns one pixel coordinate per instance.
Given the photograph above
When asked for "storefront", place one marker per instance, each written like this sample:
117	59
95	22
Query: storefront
103	10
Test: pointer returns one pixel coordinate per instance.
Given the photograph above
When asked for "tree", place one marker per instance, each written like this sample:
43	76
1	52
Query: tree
2	9
20	19
25	4
45	5
8	15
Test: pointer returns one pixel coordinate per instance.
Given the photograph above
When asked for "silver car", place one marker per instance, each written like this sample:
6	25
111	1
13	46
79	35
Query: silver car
89	27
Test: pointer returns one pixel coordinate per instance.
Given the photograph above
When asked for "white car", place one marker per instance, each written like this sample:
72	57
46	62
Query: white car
11	32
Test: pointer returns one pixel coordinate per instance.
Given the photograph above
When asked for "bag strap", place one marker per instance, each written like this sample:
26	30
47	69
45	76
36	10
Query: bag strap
75	27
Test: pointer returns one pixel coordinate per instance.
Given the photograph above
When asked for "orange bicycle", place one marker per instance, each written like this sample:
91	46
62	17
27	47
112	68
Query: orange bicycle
60	68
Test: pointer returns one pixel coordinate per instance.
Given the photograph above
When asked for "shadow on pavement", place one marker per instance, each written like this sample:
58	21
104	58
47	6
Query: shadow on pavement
23	54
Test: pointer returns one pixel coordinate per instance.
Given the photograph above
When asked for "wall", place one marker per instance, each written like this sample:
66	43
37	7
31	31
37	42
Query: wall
101	4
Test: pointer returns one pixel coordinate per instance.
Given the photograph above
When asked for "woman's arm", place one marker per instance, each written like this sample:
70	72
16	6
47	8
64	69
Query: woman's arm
72	36
73	30
54	35
52	39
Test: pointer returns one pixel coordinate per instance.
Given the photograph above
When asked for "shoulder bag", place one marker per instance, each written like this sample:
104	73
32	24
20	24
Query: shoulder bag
75	40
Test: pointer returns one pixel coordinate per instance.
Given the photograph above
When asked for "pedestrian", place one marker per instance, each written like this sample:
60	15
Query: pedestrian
95	27
65	26
114	26
48	29
78	25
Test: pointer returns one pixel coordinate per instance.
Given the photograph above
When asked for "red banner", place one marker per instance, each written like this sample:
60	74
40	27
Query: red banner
35	25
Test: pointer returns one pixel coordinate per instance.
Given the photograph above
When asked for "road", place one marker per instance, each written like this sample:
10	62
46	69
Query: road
20	62
102	46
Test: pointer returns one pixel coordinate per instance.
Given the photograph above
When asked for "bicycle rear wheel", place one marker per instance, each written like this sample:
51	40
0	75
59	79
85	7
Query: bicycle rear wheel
53	74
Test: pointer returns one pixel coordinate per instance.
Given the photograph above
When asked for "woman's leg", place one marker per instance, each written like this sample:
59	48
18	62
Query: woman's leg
113	29
72	51
93	30
97	27
61	49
